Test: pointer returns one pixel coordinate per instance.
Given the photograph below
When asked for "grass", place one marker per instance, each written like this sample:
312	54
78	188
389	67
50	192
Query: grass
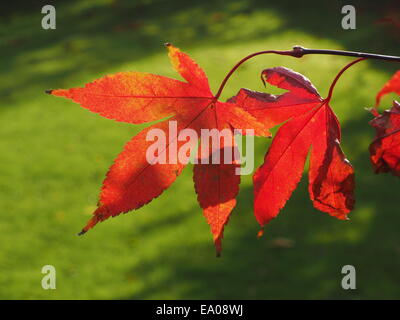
55	154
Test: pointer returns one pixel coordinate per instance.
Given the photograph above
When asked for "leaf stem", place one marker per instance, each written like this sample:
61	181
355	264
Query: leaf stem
299	52
223	83
332	87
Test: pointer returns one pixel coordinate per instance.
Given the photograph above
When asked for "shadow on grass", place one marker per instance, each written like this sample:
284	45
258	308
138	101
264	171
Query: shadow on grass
92	36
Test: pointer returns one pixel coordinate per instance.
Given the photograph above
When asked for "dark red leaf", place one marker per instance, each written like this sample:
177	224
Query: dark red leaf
385	149
392	86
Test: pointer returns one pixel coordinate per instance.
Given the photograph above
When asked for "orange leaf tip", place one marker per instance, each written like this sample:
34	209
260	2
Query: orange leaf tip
373	111
59	92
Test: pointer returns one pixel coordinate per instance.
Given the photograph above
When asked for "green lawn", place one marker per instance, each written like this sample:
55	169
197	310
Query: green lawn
54	155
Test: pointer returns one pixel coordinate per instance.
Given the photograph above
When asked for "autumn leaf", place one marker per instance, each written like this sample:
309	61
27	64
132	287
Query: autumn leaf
309	124
392	86
385	149
217	186
137	97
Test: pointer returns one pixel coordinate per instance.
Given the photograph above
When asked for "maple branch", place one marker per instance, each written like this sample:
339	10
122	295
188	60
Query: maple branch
299	52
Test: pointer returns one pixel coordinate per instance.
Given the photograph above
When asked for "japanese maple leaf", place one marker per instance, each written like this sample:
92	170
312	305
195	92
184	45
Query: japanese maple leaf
310	125
385	149
137	97
392	86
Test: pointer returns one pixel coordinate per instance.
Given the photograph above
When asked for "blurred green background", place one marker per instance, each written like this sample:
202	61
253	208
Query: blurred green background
54	155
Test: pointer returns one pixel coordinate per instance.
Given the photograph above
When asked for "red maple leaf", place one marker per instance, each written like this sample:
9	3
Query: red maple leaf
392	86
310	124
138	97
385	149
